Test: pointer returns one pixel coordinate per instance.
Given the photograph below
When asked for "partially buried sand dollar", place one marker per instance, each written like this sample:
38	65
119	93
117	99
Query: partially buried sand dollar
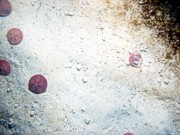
128	134
14	36
5	8
135	60
38	84
5	67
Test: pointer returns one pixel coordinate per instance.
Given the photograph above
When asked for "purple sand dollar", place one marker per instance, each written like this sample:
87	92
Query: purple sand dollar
5	8
38	84
5	68
14	36
128	134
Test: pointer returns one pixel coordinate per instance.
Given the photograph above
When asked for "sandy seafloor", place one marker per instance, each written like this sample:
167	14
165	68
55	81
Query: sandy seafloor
82	48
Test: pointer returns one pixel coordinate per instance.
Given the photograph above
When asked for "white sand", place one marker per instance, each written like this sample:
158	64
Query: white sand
82	48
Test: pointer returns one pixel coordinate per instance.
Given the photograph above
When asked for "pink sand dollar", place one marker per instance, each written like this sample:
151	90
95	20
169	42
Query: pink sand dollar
5	68
38	84
128	134
5	8
135	60
14	36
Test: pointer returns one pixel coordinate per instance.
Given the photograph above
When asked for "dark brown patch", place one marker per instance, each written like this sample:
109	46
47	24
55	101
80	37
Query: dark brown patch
161	16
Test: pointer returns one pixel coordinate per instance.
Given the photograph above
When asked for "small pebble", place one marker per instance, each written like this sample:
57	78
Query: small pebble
32	113
33	3
84	80
83	109
16	105
87	121
178	130
9	90
78	67
11	123
177	111
166	81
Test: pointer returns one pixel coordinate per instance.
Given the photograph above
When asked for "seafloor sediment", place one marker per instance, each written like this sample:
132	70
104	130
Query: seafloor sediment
82	47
